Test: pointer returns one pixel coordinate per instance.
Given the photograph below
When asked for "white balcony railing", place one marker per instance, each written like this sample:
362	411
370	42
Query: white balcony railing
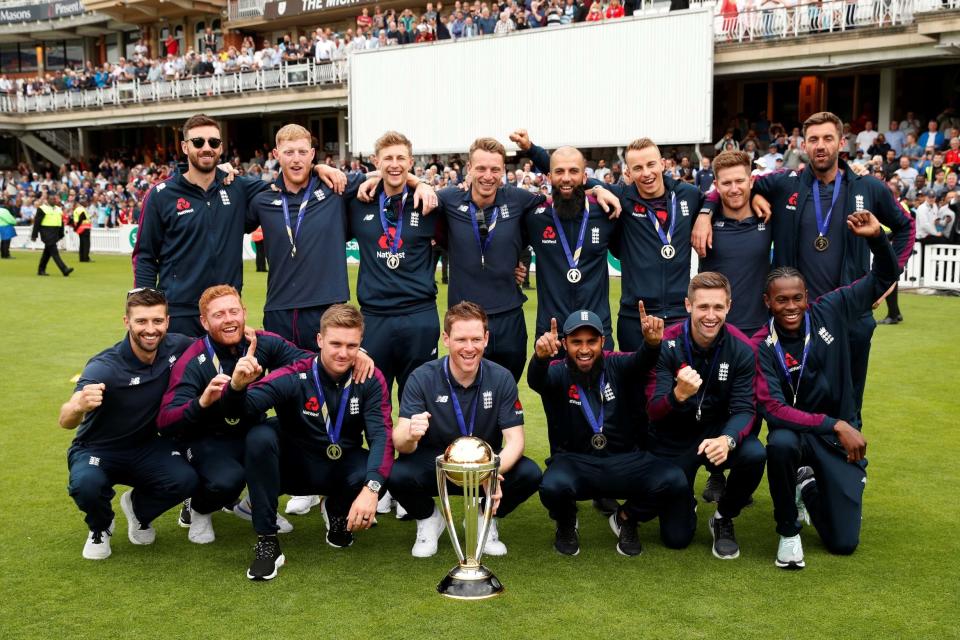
284	77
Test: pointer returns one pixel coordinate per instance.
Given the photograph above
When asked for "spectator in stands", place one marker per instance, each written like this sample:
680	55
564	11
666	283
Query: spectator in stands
486	23
170	44
906	173
703	179
364	21
879	147
932	218
595	14
504	24
866	137
896	138
614	10
952	157
932	137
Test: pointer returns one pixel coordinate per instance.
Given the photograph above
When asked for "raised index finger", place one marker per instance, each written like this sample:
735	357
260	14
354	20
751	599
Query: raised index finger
643	311
252	350
553	326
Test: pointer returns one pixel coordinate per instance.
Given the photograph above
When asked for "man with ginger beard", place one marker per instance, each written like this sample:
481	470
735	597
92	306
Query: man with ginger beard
192	415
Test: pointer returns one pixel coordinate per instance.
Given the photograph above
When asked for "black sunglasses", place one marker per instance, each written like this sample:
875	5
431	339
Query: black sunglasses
142	289
199	142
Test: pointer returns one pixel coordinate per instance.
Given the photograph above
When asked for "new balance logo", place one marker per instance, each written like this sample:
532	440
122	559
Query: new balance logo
161	186
718	224
724	372
134	381
172	359
202	358
94	461
276	203
463	208
825	335
488	399
303	376
368	217
769	341
540	209
442	399
671	344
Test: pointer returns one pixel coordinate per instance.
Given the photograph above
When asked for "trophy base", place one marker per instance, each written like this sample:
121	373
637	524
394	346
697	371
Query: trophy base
470	583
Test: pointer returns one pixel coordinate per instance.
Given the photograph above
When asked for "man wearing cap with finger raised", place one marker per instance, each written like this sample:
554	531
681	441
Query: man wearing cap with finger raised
594	452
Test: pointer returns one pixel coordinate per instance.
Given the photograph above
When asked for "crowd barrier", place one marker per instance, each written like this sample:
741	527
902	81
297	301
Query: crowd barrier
935	266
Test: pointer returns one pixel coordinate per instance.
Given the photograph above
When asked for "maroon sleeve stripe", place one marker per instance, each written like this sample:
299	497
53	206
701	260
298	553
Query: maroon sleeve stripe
386	462
170	415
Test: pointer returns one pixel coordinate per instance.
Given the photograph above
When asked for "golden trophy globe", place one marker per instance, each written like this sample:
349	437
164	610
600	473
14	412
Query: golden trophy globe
468	463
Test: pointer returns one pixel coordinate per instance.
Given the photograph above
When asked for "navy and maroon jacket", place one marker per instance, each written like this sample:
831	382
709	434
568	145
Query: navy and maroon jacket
180	413
557	383
826	392
727	406
292	391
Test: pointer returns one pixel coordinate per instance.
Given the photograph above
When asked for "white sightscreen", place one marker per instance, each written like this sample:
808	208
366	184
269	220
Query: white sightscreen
588	85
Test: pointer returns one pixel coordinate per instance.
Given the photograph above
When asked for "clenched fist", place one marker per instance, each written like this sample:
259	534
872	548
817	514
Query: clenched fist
419	423
91	397
688	383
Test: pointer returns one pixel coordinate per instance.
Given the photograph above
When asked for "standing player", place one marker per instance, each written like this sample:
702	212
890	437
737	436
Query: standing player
701	407
395	285
593	446
115	404
485	237
191	227
570	236
191	414
304	234
464	394
807	395
809	230
653	239
324	416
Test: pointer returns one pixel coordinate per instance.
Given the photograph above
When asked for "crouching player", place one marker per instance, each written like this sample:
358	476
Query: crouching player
115	404
463	394
807	395
702	409
593	441
316	447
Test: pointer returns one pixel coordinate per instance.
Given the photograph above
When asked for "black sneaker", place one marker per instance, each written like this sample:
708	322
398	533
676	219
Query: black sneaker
606	506
725	544
716	484
567	541
337	534
267	559
628	542
184	519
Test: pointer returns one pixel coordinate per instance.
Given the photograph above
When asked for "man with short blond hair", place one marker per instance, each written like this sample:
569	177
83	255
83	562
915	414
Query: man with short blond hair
324	415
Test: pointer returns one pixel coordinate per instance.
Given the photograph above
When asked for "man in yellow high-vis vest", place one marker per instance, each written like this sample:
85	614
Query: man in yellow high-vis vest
48	225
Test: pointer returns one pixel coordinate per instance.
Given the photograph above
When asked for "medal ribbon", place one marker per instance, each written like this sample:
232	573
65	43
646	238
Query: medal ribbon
213	354
394	244
652	216
292	233
458	412
702	393
484	245
781	358
573	259
595	422
823	224
333	431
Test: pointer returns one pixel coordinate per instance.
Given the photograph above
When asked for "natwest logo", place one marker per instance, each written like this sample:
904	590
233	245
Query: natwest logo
549	233
792	201
312	404
572	392
384	243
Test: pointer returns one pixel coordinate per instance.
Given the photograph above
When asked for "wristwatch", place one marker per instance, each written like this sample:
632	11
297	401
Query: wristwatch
374	486
731	442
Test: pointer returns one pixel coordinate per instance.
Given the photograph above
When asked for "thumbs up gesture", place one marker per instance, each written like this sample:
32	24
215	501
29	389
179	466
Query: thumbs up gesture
247	369
548	345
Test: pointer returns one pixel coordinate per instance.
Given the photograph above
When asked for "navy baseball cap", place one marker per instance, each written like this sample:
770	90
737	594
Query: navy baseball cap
582	318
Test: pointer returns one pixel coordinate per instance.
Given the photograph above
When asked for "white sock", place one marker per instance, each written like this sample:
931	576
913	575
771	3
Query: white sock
717	515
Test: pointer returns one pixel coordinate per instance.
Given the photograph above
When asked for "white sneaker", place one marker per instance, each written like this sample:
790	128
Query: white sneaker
401	512
385	503
301	505
201	528
428	533
244	511
790	553
493	546
97	546
135	532
804	477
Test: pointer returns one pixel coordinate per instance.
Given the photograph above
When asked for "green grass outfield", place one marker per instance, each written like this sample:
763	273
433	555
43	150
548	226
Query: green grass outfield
902	582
